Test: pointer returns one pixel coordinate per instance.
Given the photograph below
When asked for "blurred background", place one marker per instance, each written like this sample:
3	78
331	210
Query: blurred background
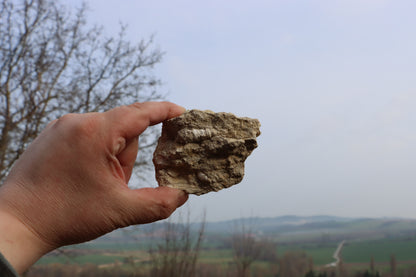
332	83
329	191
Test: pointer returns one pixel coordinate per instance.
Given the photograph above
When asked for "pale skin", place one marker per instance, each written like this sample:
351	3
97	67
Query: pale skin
70	185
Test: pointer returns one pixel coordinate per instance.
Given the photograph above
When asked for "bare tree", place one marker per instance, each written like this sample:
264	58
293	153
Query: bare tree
393	265
247	248
178	253
372	266
53	63
294	264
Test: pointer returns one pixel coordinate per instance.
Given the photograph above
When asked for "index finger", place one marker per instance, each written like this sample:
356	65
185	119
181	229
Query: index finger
133	119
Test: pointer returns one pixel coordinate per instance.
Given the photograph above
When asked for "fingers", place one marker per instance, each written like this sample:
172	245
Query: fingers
156	112
127	157
151	204
132	120
147	204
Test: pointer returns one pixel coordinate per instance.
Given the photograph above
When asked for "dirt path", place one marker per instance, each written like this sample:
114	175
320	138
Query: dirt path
336	255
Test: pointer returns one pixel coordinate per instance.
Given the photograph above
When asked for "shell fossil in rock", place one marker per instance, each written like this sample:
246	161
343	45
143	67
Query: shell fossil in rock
203	151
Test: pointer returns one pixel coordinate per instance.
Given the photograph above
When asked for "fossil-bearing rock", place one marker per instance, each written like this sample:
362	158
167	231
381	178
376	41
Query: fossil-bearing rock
203	151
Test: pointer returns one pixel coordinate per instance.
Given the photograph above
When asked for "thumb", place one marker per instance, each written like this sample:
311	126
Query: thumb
147	205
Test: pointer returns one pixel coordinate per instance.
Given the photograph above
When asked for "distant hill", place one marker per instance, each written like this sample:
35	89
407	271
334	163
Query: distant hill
312	228
274	224
291	228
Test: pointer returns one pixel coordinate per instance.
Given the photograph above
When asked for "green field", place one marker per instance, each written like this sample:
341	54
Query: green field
321	254
81	259
353	252
381	250
359	251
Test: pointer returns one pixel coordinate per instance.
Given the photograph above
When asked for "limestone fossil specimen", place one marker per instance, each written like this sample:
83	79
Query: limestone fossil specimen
203	151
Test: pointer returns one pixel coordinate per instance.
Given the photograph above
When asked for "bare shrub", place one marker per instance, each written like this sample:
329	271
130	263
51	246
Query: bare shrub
178	253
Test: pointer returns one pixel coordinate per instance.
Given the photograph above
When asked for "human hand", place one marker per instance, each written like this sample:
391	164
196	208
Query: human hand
70	185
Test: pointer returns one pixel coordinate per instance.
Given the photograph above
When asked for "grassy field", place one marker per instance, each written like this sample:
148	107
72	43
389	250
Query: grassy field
321	254
81	259
381	250
353	252
216	256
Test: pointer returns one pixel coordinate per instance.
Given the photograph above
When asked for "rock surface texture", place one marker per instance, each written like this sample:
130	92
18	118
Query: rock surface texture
203	151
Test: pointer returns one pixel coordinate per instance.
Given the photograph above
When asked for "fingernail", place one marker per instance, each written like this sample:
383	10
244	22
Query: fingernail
183	197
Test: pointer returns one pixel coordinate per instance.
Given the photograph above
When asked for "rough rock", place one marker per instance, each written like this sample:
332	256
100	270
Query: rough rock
203	151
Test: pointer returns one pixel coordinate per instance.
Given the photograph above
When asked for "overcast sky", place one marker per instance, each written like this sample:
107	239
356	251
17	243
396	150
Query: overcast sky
332	82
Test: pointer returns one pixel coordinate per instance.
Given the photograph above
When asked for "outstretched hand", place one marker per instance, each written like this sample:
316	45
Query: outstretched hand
70	185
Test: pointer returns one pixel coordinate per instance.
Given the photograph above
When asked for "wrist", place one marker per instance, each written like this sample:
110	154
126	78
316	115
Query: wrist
18	244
